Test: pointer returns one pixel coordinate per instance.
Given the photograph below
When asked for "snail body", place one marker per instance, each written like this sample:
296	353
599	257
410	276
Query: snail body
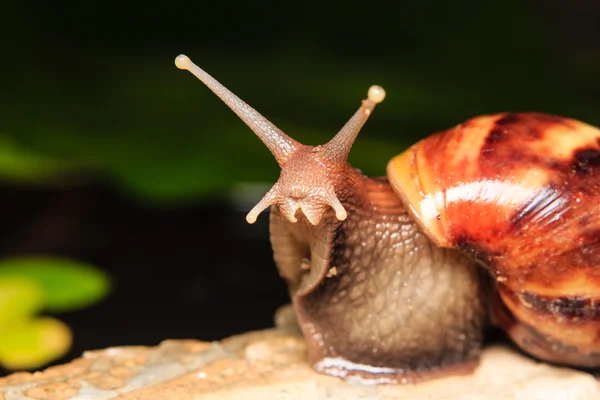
393	279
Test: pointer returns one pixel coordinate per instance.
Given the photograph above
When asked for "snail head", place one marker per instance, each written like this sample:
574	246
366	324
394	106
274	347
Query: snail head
307	182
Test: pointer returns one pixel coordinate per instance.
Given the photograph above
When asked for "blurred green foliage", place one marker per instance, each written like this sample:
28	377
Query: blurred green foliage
18	164
29	286
66	285
114	103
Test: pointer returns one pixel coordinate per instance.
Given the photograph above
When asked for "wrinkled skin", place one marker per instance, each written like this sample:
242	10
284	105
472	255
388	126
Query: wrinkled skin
375	299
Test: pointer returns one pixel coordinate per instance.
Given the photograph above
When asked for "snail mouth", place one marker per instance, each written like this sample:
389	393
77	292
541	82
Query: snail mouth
294	208
313	206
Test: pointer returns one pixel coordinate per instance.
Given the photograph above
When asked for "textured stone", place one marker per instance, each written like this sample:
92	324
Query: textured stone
271	364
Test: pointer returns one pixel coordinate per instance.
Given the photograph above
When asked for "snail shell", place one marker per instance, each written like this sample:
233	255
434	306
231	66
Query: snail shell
520	193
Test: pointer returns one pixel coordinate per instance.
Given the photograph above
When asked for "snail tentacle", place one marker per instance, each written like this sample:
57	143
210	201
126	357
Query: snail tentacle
280	144
338	148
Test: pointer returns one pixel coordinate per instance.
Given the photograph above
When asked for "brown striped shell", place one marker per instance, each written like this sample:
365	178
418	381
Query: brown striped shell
521	194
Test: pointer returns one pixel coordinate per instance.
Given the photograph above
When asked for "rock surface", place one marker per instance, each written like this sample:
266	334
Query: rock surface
271	364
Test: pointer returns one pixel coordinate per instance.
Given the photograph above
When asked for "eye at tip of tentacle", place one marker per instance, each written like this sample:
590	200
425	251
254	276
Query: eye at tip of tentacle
376	94
182	61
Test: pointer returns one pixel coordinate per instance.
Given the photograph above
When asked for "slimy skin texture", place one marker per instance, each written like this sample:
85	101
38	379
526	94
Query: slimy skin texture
375	299
392	278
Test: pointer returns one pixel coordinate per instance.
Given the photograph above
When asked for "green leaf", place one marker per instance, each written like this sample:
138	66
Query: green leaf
24	165
19	298
66	284
29	344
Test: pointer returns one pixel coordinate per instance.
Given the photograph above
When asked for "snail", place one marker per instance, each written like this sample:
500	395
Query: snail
394	279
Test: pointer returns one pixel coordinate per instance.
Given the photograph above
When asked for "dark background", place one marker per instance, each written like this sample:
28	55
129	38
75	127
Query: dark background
157	174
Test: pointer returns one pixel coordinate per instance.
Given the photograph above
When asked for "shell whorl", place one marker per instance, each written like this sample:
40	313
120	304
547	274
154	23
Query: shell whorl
521	194
518	186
